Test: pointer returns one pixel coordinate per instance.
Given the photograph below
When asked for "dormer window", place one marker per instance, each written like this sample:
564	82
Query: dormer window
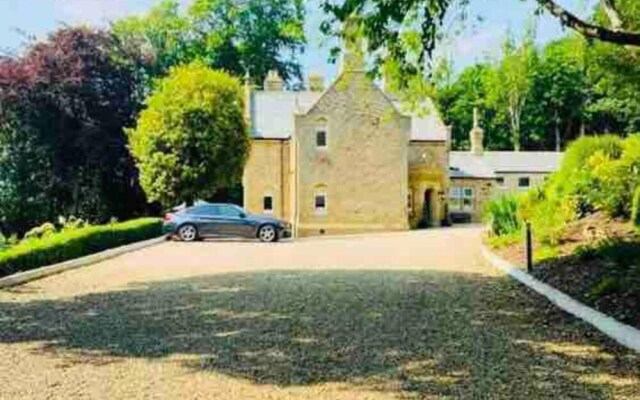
321	138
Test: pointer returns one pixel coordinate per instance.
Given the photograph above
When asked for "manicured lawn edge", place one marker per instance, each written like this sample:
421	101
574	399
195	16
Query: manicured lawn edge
43	272
624	334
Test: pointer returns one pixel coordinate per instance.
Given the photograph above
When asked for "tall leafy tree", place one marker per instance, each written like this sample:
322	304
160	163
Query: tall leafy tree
65	102
614	76
407	31
510	83
559	92
192	138
239	36
457	100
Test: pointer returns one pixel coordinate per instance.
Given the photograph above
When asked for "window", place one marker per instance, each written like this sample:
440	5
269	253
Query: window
524	182
267	204
320	203
500	181
461	199
207	209
321	138
230	211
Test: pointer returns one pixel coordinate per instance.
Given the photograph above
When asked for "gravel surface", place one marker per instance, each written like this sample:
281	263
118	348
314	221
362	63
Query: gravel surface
403	315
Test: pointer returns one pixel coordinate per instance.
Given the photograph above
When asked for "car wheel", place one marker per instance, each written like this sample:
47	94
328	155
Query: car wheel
268	234
188	233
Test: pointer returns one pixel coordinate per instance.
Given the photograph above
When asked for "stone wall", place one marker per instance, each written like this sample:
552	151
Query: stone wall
268	173
483	190
364	168
510	184
428	180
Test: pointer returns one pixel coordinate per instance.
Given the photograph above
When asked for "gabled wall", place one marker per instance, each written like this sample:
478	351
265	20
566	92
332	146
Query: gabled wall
363	171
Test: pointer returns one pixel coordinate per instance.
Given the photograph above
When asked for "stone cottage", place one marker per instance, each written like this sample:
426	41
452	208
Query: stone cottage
349	159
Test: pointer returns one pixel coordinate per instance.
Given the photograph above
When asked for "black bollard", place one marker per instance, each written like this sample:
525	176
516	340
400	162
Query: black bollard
529	248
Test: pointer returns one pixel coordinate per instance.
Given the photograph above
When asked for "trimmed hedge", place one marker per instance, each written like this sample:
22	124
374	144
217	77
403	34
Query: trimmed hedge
70	244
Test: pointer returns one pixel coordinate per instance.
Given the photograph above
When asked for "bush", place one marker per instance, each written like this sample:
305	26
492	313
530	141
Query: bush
70	244
502	216
192	138
44	230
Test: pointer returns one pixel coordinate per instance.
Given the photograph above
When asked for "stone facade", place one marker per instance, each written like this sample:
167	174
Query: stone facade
428	183
362	170
482	191
348	160
268	174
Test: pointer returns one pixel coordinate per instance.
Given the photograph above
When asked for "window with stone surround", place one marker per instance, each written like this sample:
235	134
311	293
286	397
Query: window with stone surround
461	198
524	182
267	204
321	138
320	203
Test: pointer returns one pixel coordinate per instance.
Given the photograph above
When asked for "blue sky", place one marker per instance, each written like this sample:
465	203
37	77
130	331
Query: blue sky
37	17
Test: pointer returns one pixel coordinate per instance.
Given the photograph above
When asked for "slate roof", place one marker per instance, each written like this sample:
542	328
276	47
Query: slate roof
426	124
467	165
272	115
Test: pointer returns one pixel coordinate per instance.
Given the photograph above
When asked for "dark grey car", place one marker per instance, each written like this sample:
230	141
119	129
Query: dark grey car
223	220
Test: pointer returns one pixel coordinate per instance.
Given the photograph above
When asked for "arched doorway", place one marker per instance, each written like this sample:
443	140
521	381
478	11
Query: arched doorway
427	209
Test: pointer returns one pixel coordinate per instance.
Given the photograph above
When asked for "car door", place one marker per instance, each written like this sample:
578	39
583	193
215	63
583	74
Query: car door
235	223
207	218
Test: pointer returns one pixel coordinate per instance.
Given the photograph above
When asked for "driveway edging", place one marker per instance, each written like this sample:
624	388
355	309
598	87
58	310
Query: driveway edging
626	335
43	272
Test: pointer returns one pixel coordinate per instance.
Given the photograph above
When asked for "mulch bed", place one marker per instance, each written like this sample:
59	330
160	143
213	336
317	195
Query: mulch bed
602	276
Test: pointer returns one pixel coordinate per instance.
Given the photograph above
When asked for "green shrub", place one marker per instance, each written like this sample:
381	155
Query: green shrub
70	244
575	181
502	216
71	222
635	208
46	229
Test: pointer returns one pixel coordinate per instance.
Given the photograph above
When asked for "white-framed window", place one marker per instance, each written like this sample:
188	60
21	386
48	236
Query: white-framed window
524	182
267	204
320	203
461	198
321	138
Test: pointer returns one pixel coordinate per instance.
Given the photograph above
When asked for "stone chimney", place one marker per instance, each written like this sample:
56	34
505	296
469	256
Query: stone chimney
476	135
273	82
316	83
248	89
353	53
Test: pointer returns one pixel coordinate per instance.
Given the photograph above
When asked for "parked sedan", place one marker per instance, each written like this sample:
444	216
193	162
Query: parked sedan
223	220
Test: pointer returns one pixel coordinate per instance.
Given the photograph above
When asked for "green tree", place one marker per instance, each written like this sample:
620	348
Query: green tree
509	84
64	104
252	36
407	31
457	100
613	73
559	92
192	138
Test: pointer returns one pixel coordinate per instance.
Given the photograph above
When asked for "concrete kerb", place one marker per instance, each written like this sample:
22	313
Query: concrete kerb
624	334
43	272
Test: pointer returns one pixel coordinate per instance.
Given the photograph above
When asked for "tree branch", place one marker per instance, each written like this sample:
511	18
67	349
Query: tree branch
614	16
590	30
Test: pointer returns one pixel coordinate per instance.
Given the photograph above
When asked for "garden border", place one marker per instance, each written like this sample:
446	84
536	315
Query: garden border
43	272
624	334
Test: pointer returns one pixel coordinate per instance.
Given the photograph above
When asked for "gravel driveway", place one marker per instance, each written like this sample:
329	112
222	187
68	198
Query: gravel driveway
402	315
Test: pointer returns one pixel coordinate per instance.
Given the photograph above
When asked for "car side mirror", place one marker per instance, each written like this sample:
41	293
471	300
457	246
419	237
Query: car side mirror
243	215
